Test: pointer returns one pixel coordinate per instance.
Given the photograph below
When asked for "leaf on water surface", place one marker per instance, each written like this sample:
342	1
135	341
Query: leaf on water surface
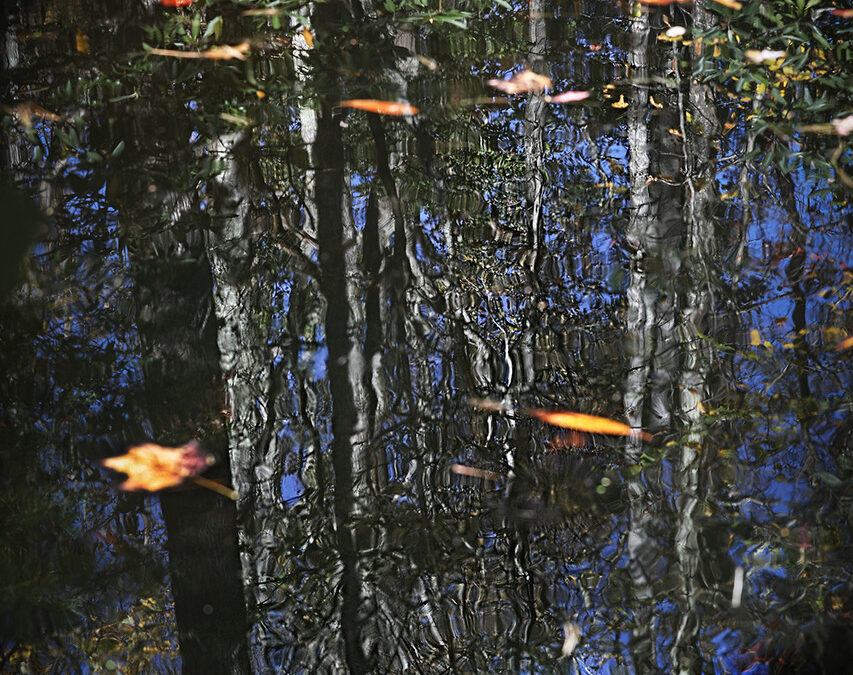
754	337
845	344
621	103
27	110
731	4
763	55
153	467
268	11
308	36
583	422
380	107
239	120
463	470
221	53
572	634
568	97
82	42
674	33
488	404
427	62
521	82
843	125
661	3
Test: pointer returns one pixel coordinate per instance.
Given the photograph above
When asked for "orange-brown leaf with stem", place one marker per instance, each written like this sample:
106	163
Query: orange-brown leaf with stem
152	467
589	423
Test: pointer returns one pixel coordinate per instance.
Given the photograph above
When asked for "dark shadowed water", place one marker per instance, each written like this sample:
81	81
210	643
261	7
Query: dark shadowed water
357	315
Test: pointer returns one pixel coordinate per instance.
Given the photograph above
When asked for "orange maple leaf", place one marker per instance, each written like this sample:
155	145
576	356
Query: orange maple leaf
153	467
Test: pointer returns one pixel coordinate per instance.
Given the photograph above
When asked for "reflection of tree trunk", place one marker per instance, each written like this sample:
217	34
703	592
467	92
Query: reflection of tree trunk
251	379
182	383
534	132
344	369
696	305
654	231
639	328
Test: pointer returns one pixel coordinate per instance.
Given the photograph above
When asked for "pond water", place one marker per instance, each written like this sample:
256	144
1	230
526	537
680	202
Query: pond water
364	317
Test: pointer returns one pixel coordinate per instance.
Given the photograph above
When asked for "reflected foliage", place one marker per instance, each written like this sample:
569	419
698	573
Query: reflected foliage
346	307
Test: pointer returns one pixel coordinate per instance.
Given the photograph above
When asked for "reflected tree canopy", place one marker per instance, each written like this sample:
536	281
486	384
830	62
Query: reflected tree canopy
355	313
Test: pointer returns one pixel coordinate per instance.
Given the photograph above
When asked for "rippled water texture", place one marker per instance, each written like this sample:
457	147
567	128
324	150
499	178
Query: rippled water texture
312	239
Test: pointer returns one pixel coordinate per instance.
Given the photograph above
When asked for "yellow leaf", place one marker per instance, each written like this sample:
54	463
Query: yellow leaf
82	42
621	103
654	103
591	423
731	4
754	337
309	38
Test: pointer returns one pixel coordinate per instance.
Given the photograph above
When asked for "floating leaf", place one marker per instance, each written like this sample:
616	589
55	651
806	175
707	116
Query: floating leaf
82	42
221	53
591	423
843	125
380	107
152	467
488	405
463	470
731	4
27	110
427	62
522	82
754	337
757	56
568	97
308	37
621	103
845	344
572	634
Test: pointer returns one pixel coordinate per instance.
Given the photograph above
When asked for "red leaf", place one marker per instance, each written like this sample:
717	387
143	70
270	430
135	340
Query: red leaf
176	3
